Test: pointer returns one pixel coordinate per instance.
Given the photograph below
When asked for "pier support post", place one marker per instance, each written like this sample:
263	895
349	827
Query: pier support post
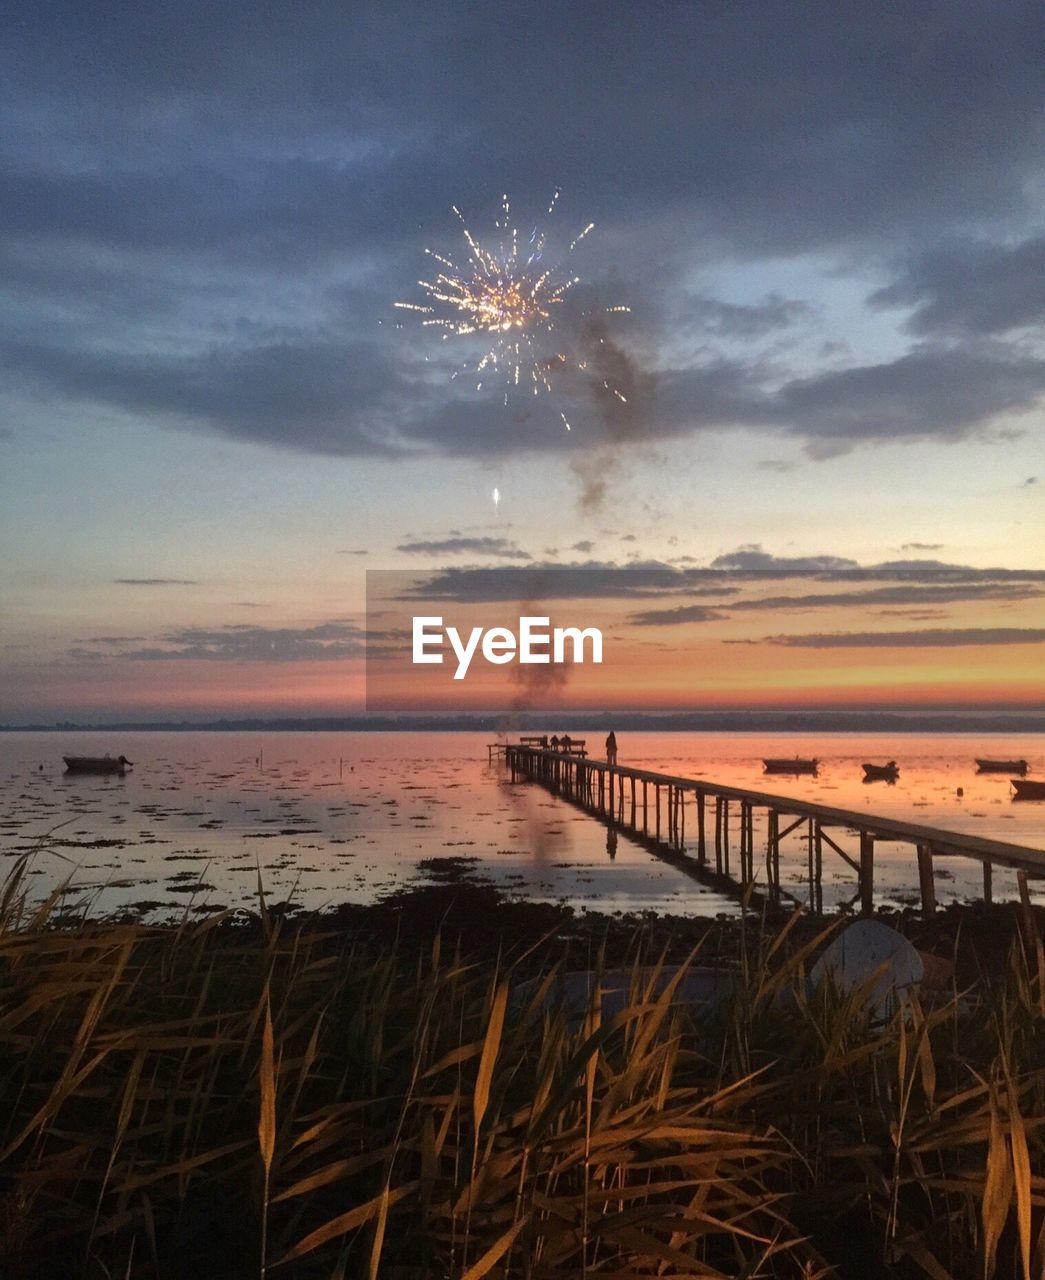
702	849
725	835
718	834
746	844
773	854
926	883
988	882
866	872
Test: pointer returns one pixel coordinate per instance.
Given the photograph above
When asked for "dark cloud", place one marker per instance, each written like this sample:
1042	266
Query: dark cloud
111	640
934	571
912	615
156	582
589	581
915	596
941	394
930	393
318	396
322	398
931	639
229	202
754	558
918	582
788	130
499	548
922	546
973	288
752	561
242	643
675	617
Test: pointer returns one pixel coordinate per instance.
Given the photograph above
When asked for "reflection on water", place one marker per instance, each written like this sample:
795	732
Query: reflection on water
328	818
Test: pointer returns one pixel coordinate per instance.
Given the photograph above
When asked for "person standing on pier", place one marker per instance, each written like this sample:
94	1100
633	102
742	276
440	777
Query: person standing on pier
611	749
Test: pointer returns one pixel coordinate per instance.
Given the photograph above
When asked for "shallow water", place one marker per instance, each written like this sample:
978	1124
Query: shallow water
335	817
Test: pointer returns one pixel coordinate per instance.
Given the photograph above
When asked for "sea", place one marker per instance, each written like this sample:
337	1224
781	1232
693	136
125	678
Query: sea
204	821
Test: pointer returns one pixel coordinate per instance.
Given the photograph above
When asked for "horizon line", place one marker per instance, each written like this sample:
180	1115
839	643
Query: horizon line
958	719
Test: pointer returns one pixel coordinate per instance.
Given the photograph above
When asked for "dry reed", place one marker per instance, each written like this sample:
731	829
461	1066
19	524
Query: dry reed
269	1099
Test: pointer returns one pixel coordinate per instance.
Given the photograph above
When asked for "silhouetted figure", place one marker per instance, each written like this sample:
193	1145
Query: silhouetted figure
555	742
611	842
611	749
544	742
566	740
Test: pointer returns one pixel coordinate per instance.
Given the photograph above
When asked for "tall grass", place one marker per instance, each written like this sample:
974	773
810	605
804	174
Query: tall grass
268	1099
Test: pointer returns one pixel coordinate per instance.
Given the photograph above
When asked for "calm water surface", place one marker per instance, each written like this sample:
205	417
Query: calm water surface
328	818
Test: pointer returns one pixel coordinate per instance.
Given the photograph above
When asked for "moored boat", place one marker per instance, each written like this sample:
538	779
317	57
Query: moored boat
881	772
1028	790
95	764
795	765
1002	766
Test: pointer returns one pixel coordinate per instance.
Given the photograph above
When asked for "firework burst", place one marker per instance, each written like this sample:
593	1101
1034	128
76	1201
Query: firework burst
512	299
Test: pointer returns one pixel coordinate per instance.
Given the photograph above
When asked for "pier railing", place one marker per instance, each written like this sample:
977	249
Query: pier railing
658	807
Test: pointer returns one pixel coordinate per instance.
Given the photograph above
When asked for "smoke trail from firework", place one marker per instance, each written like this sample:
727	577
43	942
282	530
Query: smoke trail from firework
622	417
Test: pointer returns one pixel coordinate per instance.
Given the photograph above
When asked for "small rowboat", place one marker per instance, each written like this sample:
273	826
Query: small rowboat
1002	766
881	772
791	766
1028	790
95	764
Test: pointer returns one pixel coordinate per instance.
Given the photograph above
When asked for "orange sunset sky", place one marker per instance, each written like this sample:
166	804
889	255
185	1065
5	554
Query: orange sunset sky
788	402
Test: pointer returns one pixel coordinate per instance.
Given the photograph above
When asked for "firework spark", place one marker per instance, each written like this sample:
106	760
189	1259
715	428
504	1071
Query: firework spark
510	297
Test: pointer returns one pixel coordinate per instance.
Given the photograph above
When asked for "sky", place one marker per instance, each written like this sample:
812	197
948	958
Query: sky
825	220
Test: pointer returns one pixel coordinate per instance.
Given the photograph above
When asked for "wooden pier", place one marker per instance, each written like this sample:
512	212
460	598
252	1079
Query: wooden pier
658	807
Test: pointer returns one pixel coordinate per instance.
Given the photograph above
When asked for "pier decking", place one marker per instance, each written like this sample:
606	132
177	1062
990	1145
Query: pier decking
657	807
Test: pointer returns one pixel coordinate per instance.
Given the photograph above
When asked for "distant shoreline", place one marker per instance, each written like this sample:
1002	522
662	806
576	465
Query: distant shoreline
686	722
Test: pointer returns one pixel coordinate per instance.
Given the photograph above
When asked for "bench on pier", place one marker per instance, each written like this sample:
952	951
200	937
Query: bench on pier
575	747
